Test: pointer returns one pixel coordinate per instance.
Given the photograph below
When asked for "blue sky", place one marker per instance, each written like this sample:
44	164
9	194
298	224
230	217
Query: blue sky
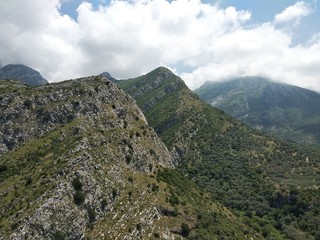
208	40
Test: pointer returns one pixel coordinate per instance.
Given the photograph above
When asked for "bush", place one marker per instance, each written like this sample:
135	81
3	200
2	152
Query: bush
129	195
3	168
128	159
104	203
76	183
156	235
27	103
28	181
78	198
58	235
114	193
91	215
154	187
174	200
139	227
185	229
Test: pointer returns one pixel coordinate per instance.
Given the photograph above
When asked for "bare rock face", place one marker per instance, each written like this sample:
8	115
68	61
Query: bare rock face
74	154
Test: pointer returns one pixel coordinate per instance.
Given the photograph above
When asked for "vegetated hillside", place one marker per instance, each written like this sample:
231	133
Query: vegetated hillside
271	185
78	159
282	110
22	73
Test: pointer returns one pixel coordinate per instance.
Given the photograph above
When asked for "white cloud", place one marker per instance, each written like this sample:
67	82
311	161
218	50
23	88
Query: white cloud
294	13
201	41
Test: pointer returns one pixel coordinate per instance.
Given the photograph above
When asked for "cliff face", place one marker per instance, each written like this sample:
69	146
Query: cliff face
72	154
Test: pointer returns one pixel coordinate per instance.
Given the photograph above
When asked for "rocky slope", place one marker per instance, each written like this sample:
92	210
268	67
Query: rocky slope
79	161
279	109
66	154
22	73
273	185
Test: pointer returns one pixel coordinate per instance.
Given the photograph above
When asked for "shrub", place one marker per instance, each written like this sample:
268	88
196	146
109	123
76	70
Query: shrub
78	198
91	215
150	167
128	159
139	227
154	187
130	179
76	183
104	203
114	193
28	181
174	200
58	235
130	195
27	103
156	235
185	229
3	168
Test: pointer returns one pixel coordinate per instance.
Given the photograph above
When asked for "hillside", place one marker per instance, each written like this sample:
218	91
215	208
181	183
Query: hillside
271	185
22	73
282	110
78	160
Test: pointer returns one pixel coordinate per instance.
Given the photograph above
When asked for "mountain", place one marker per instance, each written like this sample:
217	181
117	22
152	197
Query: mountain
108	76
282	110
78	160
271	185
23	73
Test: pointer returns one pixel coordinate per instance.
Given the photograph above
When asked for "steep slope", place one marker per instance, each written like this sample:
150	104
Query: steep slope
79	160
285	111
264	180
22	73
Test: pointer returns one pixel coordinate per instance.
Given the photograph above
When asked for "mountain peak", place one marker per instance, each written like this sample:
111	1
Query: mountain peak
162	79
163	72
108	76
280	109
22	73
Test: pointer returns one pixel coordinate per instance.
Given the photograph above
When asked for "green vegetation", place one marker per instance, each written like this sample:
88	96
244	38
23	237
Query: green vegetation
78	197
58	235
271	185
281	110
232	182
29	170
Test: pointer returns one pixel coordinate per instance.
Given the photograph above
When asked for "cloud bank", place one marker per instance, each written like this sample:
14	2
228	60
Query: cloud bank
202	42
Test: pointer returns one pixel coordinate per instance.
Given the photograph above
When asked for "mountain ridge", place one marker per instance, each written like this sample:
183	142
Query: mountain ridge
253	174
77	133
80	161
282	110
22	73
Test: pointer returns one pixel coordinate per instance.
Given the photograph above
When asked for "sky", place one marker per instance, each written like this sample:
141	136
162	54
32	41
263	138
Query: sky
199	40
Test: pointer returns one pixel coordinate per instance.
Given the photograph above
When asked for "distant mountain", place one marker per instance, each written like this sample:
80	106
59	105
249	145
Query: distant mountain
269	183
108	76
279	109
22	73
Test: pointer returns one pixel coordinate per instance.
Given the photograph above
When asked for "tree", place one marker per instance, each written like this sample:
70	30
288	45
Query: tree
185	229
